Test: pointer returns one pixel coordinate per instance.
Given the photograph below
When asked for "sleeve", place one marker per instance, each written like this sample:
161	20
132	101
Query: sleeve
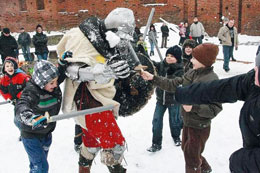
23	108
223	91
221	34
169	85
207	110
26	79
245	160
4	90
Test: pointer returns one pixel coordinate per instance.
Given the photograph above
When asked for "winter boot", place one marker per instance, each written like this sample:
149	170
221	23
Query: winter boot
116	169
83	169
205	167
84	164
154	148
177	142
193	170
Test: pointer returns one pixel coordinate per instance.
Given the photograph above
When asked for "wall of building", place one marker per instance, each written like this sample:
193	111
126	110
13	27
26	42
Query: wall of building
64	14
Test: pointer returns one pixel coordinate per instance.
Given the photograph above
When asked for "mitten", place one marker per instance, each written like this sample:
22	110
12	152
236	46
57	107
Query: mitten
38	121
65	55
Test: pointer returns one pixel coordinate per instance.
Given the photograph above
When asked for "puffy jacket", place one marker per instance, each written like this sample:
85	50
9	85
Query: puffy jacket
11	86
230	90
40	42
8	46
169	71
201	114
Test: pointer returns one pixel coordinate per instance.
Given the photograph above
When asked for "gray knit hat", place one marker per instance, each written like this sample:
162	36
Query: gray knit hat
44	72
257	60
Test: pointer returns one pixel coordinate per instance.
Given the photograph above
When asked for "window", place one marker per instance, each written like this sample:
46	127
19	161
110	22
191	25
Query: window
60	1
40	4
22	4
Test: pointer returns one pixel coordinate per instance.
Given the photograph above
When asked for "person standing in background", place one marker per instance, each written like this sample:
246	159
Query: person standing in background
197	30
8	45
187	33
151	34
24	40
165	34
229	39
40	42
182	33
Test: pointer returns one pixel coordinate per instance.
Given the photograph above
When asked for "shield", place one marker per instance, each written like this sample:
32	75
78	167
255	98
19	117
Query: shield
134	92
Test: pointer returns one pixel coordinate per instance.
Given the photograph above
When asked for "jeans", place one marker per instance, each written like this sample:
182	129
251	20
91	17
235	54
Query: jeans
227	51
26	53
175	121
37	150
42	56
197	39
152	46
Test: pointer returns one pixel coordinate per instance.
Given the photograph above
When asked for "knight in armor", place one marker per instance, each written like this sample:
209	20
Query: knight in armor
96	52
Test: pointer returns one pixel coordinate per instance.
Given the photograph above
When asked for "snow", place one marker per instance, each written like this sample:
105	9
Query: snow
224	139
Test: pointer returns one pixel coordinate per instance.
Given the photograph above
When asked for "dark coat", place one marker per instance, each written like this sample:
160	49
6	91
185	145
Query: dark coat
40	42
38	101
201	114
165	31
169	71
24	39
230	90
8	46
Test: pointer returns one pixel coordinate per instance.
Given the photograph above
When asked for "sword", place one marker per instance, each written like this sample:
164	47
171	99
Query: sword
77	113
5	102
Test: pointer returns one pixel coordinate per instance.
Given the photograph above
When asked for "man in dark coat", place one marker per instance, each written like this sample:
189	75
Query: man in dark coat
24	41
8	45
243	87
40	41
165	34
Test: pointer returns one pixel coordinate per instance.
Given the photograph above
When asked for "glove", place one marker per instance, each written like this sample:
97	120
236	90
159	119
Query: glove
120	68
65	55
13	102
236	48
202	37
38	121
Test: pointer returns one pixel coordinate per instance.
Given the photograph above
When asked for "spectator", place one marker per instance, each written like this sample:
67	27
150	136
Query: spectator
141	45
187	33
197	30
229	39
40	42
182	33
8	45
152	34
24	41
170	67
165	34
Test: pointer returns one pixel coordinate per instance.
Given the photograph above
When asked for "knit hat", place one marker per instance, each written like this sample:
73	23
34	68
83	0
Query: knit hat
257	60
176	52
44	72
11	60
206	53
6	30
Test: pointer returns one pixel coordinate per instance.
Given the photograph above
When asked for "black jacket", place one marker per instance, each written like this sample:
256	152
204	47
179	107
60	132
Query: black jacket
230	90
38	101
24	39
169	71
165	31
8	46
40	42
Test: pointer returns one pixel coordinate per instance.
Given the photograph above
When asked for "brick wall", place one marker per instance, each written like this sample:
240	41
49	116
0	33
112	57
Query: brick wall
64	14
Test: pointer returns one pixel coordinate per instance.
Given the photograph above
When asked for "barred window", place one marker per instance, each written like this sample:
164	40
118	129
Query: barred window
22	5
40	4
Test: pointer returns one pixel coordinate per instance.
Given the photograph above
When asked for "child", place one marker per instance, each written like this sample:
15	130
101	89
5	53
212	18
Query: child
13	80
187	48
169	68
41	94
182	33
196	118
141	45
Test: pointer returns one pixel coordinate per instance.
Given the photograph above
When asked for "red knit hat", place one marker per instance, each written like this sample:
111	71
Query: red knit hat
206	53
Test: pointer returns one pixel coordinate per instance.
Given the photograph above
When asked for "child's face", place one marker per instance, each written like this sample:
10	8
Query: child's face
170	59
39	29
196	64
51	85
9	68
188	50
141	38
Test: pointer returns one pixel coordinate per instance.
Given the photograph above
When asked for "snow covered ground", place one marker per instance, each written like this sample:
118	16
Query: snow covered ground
225	135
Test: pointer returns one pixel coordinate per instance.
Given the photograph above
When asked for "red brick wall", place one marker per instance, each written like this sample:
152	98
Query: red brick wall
64	14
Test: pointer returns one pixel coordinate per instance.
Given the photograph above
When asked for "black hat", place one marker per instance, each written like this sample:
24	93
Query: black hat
176	52
6	30
11	60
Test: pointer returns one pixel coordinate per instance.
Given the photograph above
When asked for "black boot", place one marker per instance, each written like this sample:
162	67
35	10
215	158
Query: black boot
154	148
84	164
116	169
